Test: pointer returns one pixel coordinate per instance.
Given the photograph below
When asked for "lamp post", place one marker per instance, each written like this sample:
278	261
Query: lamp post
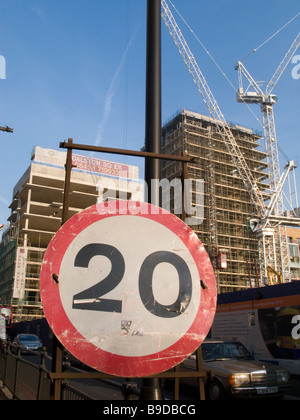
151	386
153	98
7	129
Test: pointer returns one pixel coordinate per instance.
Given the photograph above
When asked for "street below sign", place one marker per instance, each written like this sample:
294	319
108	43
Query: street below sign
121	288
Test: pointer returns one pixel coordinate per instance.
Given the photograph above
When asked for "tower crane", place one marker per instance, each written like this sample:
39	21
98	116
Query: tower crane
267	100
265	223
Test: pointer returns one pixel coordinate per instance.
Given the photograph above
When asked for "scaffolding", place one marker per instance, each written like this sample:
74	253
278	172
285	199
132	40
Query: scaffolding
7	266
228	207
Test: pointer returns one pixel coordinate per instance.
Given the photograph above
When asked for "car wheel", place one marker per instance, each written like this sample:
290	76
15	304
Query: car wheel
215	391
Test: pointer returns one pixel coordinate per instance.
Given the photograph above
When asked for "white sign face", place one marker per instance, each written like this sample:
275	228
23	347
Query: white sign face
127	298
123	315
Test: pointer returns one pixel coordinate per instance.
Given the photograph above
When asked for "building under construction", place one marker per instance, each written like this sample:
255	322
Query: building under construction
228	208
36	214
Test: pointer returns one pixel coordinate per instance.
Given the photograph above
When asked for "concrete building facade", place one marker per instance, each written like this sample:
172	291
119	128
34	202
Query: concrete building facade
36	212
294	252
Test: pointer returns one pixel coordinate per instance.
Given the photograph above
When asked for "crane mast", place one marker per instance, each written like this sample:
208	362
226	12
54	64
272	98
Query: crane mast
213	108
267	101
266	223
283	65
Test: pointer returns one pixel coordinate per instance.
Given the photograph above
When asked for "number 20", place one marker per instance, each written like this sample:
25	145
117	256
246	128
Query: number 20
91	298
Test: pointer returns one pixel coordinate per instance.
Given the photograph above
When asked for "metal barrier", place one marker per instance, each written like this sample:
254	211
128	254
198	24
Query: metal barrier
70	393
24	380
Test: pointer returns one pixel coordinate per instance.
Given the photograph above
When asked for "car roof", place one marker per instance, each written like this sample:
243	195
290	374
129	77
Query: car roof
210	340
25	334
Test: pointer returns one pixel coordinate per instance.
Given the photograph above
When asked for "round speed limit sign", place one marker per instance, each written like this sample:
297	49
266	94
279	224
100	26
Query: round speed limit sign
128	288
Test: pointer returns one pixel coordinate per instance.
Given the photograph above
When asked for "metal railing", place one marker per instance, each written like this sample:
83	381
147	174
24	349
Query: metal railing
33	379
26	380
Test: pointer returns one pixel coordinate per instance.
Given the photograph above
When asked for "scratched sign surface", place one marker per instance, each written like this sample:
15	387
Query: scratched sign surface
121	288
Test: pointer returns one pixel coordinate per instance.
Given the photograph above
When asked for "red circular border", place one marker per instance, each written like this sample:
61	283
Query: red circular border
93	356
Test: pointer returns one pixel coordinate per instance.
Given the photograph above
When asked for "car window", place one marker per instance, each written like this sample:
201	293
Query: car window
28	337
224	350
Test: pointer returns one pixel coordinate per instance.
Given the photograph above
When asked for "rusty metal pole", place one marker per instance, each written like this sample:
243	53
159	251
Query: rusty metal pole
184	176
199	363
57	347
69	166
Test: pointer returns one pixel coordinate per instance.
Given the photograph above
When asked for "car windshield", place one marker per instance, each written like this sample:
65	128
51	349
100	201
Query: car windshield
224	350
28	337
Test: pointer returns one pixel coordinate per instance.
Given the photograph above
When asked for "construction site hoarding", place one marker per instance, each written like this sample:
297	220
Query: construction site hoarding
266	320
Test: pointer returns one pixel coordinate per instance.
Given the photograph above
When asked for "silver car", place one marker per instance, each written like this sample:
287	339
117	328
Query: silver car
232	372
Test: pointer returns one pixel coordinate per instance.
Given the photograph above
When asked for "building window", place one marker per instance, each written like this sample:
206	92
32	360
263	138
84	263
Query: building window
294	255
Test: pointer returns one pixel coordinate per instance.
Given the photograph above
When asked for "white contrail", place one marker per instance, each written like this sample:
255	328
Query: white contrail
4	201
111	92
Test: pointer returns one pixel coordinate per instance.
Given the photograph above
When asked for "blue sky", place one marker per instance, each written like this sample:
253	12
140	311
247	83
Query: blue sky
76	69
